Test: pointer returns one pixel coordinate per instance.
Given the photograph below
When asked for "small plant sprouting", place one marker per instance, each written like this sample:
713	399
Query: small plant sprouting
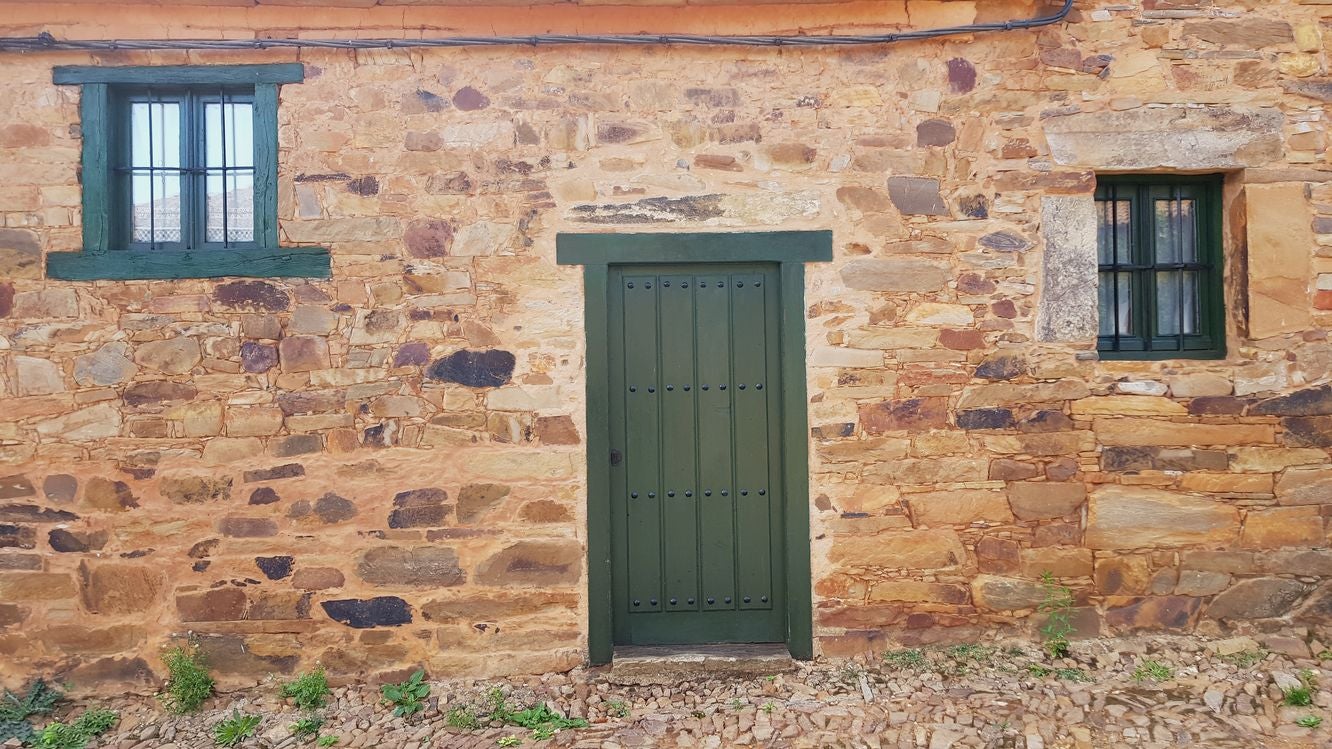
1309	721
407	698
737	704
235	729
188	680
462	717
1298	697
307	727
509	741
1039	671
1071	674
1244	658
617	709
1324	655
1152	670
308	691
328	740
769	707
1057	605
909	659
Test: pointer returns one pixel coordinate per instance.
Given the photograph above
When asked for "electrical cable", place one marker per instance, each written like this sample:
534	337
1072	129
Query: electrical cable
46	42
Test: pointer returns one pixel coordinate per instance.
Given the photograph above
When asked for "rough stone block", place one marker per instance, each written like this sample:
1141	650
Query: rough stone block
1136	517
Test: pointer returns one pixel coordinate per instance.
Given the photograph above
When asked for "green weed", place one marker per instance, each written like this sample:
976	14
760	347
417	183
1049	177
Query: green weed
407	698
1152	670
1244	658
188	680
1298	697
1071	674
15	709
1039	671
92	723
462	717
910	659
327	741
769	707
1057	605
309	691
235	729
1309	721
510	741
307	727
617	709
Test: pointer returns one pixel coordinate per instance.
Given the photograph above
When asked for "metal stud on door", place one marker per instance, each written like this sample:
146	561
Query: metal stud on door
697	533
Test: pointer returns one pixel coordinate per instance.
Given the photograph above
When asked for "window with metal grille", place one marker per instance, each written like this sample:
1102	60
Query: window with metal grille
180	171
1160	264
184	174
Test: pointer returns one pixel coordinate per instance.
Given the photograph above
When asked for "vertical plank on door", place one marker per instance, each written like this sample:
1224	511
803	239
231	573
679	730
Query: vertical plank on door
642	444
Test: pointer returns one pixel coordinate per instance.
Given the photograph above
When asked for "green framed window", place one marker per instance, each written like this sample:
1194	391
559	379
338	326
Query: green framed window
179	174
1158	245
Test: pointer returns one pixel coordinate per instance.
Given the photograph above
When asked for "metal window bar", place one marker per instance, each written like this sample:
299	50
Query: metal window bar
152	195
1114	260
1178	254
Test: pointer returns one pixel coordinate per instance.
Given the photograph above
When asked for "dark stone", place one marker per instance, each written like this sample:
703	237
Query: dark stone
15	486
974	206
430	102
6	299
260	296
430	238
917	196
290	470
833	431
420	497
232	655
295	444
1163	612
158	391
1003	241
909	414
534	563
985	418
307	402
652	210
1007	469
384	611
68	541
475	499
1227	405
109	495
24	562
331	177
1046	420
10	614
1318	608
257	358
1322	224
34	514
713	97
275	568
299	509
974	283
194	489
1001	367
1313	88
17	537
60	487
264	495
411	354
556	430
1163	459
935	133
1316	401
489	368
434	566
203	548
365	186
240	527
1307	431
997	555
1253	32
469	99
379	435
1257	598
331	508
449	183
418	517
961	75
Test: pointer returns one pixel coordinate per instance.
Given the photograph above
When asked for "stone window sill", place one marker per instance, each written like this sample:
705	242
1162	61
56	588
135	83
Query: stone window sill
130	265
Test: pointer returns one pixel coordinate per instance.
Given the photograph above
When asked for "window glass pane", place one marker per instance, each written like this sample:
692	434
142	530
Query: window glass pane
1116	319
1175	231
1114	233
155	199
229	161
1177	303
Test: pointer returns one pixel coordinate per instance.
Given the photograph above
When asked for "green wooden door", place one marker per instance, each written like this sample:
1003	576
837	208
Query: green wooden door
696	491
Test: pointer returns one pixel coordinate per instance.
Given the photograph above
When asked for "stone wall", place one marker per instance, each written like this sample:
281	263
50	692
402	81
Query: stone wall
386	469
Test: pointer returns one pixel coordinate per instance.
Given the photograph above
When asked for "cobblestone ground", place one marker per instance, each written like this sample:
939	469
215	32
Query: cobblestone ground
1141	692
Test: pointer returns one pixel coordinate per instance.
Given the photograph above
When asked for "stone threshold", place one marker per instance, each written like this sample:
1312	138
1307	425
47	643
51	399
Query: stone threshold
645	665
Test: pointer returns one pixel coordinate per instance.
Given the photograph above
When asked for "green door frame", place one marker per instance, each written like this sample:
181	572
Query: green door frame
789	250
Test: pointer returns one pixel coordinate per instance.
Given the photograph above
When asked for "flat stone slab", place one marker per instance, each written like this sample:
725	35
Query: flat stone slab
643	665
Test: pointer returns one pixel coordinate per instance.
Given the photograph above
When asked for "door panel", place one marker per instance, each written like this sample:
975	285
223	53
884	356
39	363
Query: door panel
695	491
